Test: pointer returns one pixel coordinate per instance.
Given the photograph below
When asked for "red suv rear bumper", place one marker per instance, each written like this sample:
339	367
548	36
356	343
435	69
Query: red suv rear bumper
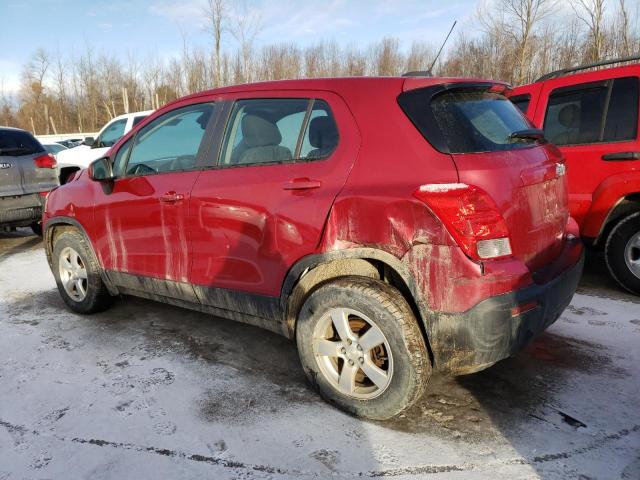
500	325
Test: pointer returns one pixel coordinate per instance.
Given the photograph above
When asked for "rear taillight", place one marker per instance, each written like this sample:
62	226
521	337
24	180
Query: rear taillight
45	161
471	217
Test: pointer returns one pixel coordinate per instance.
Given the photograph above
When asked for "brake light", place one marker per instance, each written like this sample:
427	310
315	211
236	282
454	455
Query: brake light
499	88
45	161
471	217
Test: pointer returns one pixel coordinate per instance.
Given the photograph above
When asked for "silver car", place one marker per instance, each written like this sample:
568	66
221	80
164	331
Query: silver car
27	173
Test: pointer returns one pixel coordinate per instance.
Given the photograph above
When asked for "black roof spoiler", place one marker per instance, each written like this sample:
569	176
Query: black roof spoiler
564	71
418	73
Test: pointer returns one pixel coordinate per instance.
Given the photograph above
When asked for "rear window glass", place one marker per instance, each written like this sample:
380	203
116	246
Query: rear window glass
478	121
622	115
593	113
18	142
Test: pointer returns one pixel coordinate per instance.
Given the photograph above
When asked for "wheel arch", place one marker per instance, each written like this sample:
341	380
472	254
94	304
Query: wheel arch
624	207
57	225
312	271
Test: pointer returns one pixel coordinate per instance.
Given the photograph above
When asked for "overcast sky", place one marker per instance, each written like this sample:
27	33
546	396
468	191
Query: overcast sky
144	27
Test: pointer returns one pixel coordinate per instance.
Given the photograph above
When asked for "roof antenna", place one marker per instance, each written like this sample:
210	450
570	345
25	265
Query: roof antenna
428	73
441	47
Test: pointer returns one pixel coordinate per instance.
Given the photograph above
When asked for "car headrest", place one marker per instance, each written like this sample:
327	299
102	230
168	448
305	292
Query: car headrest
260	132
323	133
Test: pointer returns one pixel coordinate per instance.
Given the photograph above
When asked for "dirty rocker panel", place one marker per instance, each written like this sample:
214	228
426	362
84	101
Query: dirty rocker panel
258	310
473	340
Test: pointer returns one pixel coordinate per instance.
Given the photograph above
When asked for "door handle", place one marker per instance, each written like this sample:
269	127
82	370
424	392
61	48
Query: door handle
171	197
302	184
621	156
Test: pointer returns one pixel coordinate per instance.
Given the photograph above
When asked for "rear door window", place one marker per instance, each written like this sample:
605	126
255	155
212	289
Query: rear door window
622	115
593	113
267	131
320	138
14	143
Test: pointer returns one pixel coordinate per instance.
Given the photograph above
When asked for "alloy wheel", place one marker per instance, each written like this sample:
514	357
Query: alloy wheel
632	254
353	353
73	274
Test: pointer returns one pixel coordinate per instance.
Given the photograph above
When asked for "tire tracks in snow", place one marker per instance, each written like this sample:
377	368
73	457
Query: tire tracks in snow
392	472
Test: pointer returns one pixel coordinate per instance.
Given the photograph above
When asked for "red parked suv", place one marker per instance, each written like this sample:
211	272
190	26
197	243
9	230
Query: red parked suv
392	226
593	119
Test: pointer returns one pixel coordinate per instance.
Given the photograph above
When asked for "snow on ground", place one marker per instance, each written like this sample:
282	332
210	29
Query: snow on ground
146	390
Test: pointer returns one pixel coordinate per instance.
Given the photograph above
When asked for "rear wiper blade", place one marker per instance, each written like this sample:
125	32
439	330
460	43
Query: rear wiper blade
527	134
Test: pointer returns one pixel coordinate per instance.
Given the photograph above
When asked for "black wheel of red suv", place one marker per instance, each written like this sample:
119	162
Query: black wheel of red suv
77	274
361	347
622	253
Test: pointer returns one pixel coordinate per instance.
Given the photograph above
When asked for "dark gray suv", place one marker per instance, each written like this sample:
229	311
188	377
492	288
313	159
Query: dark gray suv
27	174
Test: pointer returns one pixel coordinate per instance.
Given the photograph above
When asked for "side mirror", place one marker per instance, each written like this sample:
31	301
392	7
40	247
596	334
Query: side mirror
100	170
88	141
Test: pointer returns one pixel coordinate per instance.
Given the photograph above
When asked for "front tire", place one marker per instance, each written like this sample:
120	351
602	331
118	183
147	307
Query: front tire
622	253
77	274
361	347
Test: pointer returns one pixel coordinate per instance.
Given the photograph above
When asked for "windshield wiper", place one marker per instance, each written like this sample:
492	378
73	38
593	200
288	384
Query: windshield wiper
527	134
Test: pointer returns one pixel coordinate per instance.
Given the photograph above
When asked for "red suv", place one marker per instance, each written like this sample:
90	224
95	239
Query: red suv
593	119
392	226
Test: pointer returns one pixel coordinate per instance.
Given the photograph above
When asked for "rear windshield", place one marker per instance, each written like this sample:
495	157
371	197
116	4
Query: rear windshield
17	142
466	120
478	121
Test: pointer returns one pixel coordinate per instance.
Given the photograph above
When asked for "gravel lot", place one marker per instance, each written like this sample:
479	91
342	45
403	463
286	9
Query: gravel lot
151	391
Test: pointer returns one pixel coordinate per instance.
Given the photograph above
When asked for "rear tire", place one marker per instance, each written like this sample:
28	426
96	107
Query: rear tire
77	274
375	382
622	253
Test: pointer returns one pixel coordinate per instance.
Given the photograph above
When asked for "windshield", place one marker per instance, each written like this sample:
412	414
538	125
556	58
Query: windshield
479	121
18	142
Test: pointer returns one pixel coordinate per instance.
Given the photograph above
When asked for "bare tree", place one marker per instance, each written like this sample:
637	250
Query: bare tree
622	30
591	12
215	12
519	41
246	26
32	91
522	18
387	59
420	57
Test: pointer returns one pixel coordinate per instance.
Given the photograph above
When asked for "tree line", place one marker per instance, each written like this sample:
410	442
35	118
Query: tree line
518	41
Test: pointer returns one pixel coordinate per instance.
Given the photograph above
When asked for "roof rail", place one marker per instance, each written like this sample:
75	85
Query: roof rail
564	71
418	73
